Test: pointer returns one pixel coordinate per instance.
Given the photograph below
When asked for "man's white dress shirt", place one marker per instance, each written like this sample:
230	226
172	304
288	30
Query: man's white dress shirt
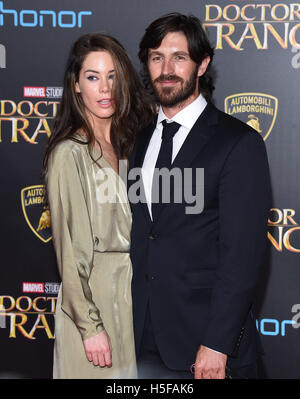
186	118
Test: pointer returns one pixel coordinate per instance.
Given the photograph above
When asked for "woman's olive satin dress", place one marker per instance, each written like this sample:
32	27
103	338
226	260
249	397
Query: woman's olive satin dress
91	222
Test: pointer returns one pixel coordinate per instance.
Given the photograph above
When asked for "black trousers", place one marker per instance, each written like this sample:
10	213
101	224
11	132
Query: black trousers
149	361
151	365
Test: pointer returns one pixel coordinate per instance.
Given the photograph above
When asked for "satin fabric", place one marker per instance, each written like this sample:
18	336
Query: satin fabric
91	222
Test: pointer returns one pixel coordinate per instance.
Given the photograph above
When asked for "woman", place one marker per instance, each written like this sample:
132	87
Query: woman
102	108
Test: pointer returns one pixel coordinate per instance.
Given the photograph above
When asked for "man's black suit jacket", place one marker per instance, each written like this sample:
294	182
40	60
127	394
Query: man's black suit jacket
198	272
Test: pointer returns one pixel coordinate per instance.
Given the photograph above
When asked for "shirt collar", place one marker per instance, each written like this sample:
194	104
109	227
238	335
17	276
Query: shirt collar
188	115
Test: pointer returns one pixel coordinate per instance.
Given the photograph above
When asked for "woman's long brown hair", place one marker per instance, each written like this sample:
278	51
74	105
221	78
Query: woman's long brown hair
133	107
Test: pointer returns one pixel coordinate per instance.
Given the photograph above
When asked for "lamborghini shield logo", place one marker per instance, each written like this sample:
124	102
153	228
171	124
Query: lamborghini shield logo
37	215
258	110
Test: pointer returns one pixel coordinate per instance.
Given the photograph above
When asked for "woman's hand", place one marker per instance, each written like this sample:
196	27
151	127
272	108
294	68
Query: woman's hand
98	349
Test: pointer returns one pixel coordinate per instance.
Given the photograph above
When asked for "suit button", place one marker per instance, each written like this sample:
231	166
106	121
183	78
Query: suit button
147	277
153	236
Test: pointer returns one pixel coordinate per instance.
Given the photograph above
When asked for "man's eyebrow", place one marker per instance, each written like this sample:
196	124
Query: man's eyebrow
152	52
155	52
181	53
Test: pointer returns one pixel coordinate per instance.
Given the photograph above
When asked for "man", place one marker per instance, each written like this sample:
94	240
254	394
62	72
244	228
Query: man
194	274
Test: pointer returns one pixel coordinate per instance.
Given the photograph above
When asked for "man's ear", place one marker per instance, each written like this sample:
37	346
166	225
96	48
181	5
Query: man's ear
203	66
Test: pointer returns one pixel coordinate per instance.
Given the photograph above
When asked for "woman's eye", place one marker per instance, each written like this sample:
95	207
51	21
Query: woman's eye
92	77
111	77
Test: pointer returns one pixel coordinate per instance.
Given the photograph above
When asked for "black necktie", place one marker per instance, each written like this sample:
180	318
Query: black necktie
164	160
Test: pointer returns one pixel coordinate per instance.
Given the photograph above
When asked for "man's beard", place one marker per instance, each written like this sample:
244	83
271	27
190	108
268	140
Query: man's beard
171	96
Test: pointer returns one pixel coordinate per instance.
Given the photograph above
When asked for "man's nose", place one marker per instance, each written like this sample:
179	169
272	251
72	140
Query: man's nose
167	67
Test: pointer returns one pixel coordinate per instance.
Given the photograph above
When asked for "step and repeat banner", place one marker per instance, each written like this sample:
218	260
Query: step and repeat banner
257	79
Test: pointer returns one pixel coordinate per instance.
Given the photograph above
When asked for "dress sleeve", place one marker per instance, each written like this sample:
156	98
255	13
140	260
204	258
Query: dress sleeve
73	240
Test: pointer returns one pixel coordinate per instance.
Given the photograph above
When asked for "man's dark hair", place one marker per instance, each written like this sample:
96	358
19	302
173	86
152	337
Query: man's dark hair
198	45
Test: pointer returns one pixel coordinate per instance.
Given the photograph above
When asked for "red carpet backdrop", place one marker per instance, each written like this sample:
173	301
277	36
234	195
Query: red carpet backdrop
257	75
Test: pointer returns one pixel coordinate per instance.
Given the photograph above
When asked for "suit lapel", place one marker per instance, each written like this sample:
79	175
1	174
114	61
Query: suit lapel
197	137
194	143
142	143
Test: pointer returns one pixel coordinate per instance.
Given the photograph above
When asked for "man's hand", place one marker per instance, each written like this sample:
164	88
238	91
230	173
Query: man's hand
98	349
210	364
